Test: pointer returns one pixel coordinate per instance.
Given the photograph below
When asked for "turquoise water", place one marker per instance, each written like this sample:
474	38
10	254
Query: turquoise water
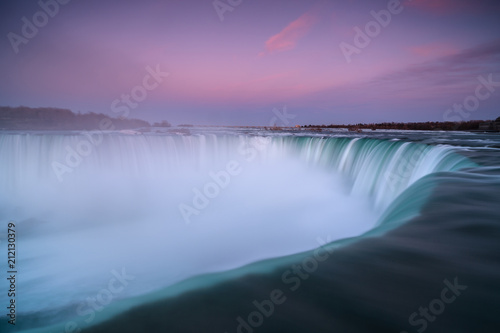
219	216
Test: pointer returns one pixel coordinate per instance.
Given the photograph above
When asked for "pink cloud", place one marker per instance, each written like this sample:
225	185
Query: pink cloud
434	50
287	38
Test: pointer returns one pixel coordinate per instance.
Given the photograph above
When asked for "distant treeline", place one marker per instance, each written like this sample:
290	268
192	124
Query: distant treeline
419	126
25	118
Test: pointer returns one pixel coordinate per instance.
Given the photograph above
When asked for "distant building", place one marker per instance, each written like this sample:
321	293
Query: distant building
490	126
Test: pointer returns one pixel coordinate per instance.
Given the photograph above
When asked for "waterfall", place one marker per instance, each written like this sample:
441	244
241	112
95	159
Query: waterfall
169	207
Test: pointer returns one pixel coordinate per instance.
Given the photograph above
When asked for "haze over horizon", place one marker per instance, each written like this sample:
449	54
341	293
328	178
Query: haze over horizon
234	62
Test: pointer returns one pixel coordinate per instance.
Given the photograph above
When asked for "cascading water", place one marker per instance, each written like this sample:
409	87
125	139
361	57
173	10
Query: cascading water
166	208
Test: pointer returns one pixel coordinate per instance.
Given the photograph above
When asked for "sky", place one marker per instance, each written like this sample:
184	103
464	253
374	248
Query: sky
243	62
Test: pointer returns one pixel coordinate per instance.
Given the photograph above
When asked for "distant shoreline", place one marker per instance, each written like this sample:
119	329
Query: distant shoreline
466	126
55	119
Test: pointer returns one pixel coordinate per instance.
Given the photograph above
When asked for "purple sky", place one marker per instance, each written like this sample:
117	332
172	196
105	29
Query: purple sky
262	55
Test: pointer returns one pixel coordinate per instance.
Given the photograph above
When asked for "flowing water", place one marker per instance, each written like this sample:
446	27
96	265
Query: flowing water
181	233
